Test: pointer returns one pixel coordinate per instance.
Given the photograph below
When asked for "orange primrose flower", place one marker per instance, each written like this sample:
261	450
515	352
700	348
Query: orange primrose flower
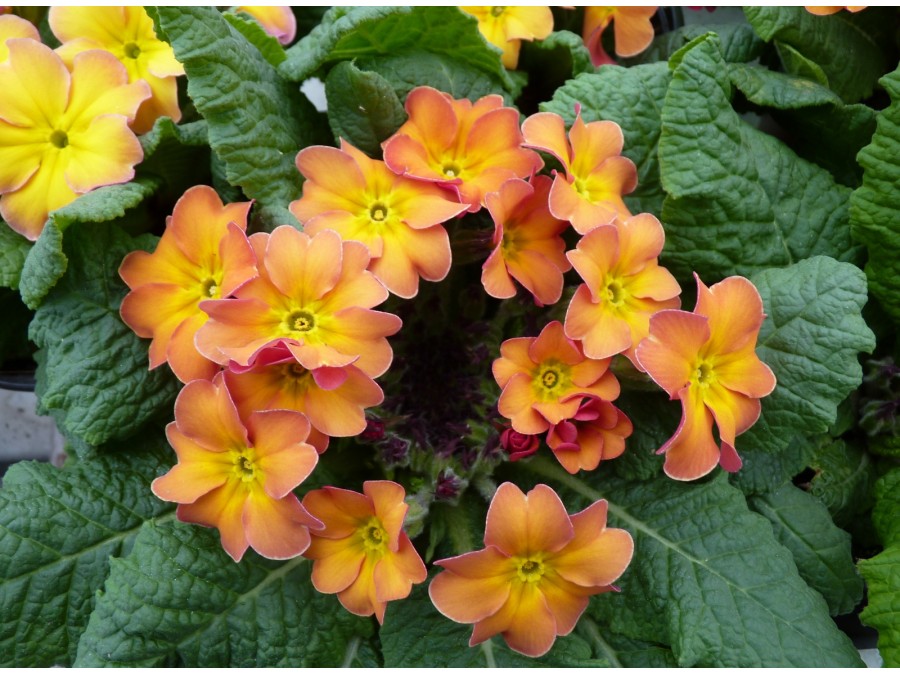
12	26
539	567
506	27
708	360
363	554
127	33
825	11
397	218
203	253
596	432
334	399
61	134
624	285
632	29
279	22
314	295
471	148
597	175
237	474
545	379
528	245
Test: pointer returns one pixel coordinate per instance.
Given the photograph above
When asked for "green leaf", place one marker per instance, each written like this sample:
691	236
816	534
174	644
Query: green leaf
653	417
357	32
844	480
821	550
810	339
849	49
96	368
257	121
875	206
46	262
178	599
623	652
882	573
558	57
256	35
764	471
708	577
177	155
58	530
794	62
14	249
739	200
362	107
739	43
633	98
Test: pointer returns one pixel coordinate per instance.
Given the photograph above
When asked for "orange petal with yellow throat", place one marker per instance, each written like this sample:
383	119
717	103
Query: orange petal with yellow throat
199	222
735	312
633	30
342	511
743	372
566	203
157	310
360	597
593	144
340	412
495	276
387	500
285	459
408	254
334	181
236	329
396	572
520	524
302	267
277	529
542	278
197	472
337	563
547	131
552	343
432	117
184	359
474	586
595	256
516	403
363	331
602	332
691	452
565	600
669	352
205	413
514	358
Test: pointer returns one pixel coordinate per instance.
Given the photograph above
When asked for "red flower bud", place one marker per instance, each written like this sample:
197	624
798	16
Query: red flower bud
519	445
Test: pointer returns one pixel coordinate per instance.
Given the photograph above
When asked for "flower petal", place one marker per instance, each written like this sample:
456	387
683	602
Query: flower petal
276	528
284	457
222	508
205	413
521	525
547	131
527	624
198	471
668	353
691	452
387	499
474	586
104	153
337	563
396	572
342	511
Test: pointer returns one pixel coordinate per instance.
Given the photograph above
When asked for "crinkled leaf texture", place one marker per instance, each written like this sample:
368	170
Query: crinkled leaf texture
257	121
58	530
875	206
562	50
739	43
14	249
882	573
708	577
739	200
178	599
94	368
256	35
844	480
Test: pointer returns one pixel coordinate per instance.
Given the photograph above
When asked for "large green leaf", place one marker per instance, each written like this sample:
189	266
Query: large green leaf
764	471
821	550
739	42
882	573
95	368
257	121
58	529
176	154
178	599
739	200
810	339
633	98
14	249
844	480
709	578
848	49
875	206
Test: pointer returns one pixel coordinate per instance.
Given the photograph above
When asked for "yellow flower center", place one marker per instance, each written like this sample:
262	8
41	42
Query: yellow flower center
59	138
451	169
497	11
530	570
374	537
704	374
615	292
550	381
244	464
132	50
378	212
299	321
210	288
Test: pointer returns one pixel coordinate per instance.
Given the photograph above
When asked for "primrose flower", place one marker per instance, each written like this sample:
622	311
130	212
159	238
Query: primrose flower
127	33
826	11
597	175
313	294
279	22
708	360
203	253
506	27
471	148
61	134
363	554
334	399
397	218
596	432
12	26
632	29
237	474
545	379
624	285
528	244
539	567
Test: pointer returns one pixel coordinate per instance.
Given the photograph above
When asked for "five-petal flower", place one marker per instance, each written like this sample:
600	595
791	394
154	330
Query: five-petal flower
506	27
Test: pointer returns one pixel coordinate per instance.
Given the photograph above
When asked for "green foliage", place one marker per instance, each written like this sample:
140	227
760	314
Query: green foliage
844	480
560	52
764	472
96	368
14	249
267	45
178	599
738	199
58	530
739	43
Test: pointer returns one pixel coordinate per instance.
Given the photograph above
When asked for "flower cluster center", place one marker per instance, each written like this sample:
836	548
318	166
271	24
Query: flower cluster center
244	464
59	138
451	169
300	321
497	11
132	50
615	292
210	288
378	212
530	570
374	536
704	375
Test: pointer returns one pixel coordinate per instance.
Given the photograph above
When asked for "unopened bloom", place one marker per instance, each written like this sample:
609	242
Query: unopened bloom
203	253
237	474
12	26
397	218
596	432
314	295
545	379
528	242
363	554
127	33
506	27
624	285
519	446
61	134
590	194
708	360
471	148
632	30
334	399
539	567
279	22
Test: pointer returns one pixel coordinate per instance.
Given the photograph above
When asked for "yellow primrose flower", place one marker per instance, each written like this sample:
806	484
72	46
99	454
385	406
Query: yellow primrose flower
127	33
62	134
12	26
506	27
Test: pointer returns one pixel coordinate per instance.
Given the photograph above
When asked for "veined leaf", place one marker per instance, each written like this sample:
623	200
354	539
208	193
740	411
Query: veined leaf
739	43
844	480
14	249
